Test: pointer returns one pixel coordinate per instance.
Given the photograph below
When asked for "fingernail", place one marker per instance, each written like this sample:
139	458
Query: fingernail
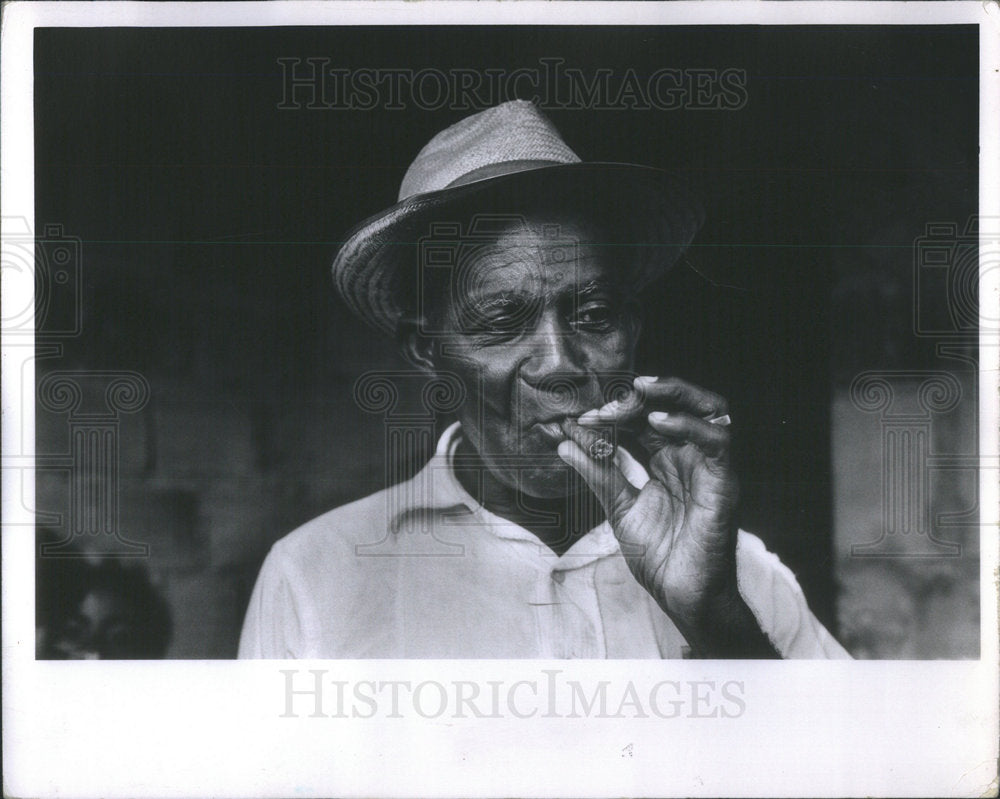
659	416
589	417
646	379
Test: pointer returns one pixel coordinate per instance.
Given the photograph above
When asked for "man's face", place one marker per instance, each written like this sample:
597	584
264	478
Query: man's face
536	330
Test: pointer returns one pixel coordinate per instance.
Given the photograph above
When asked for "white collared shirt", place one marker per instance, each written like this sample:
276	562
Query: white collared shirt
421	570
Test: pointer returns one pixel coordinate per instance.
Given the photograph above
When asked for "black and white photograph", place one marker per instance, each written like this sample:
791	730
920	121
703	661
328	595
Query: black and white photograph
481	385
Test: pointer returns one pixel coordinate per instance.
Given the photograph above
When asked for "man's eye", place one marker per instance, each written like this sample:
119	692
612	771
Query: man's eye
595	317
502	324
503	321
492	324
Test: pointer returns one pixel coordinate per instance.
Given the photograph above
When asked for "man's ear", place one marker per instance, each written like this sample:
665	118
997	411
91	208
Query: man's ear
417	349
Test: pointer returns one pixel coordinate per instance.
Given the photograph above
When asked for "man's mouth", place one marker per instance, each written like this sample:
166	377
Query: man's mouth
551	430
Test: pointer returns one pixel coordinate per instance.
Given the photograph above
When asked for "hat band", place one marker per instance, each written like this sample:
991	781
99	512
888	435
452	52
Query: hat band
504	168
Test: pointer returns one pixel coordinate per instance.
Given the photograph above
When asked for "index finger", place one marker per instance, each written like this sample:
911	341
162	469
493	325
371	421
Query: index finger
681	395
660	392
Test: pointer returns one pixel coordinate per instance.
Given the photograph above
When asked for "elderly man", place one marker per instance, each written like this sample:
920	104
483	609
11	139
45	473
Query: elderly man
576	509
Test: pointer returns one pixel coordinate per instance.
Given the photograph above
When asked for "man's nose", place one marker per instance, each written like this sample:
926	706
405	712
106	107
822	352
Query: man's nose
551	354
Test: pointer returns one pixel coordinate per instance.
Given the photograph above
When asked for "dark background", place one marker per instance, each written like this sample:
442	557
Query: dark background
209	217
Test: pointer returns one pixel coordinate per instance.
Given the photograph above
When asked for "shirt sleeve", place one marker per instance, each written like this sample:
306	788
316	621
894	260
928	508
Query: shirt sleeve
271	626
774	597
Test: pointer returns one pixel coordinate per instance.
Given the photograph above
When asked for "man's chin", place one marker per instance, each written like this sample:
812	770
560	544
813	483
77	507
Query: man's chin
554	480
536	471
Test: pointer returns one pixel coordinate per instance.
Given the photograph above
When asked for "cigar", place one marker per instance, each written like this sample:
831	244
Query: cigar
601	449
598	447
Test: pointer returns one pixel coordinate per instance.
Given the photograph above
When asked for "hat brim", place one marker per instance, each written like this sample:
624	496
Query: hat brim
647	214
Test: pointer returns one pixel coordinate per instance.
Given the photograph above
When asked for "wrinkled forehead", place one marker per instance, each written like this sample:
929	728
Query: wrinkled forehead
537	260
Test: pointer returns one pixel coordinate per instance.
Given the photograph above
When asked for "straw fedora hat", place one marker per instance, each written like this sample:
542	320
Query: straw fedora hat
510	160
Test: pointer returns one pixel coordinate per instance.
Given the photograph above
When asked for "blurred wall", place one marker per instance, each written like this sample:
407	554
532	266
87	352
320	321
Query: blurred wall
209	481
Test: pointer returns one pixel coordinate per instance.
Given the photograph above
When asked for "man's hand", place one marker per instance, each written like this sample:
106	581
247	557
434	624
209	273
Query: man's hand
678	533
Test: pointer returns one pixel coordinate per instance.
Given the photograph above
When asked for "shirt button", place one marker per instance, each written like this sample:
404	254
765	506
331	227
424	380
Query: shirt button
559	577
